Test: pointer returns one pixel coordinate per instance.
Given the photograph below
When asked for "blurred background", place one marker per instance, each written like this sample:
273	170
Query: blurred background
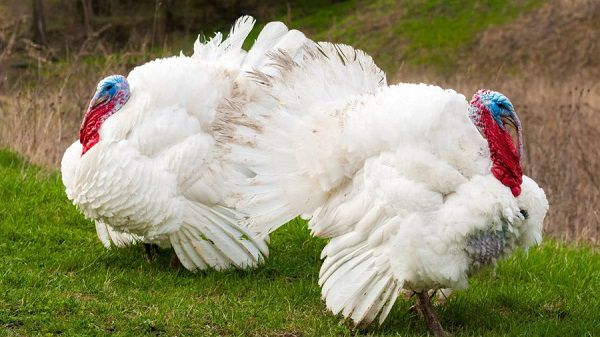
543	54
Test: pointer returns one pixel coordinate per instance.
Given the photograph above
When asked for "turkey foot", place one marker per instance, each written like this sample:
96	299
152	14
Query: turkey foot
424	308
151	251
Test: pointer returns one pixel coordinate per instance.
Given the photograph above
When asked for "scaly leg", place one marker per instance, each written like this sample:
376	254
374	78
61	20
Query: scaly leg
424	307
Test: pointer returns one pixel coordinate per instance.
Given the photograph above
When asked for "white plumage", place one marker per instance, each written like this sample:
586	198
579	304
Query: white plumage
155	174
398	177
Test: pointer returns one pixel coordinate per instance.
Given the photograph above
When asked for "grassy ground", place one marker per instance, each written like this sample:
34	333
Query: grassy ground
56	278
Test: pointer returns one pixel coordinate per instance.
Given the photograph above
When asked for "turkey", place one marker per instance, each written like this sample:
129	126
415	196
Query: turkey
146	165
415	187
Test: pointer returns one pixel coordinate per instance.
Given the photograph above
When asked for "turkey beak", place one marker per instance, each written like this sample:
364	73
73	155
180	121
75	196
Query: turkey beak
97	100
514	121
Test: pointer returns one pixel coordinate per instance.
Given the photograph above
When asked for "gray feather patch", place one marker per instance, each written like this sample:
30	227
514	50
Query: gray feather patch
485	247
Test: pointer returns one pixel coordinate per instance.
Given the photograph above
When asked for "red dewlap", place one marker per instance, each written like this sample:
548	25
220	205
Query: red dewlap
88	133
506	163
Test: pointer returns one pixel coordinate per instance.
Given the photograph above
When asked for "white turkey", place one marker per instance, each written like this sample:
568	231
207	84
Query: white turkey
416	187
146	167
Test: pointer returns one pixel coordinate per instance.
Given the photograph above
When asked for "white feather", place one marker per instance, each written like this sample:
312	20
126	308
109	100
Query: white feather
109	237
398	177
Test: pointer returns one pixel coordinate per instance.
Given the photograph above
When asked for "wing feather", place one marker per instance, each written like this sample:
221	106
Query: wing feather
211	239
109	237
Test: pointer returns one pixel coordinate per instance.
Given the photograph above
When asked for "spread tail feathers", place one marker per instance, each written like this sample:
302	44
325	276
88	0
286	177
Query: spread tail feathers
285	138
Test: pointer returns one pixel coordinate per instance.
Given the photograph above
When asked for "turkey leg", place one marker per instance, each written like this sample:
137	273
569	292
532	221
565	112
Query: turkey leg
151	251
424	307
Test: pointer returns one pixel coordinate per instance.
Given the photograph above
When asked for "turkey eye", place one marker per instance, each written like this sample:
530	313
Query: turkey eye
109	87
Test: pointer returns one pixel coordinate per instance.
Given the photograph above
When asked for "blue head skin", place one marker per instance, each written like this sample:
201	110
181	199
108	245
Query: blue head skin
499	106
503	113
112	87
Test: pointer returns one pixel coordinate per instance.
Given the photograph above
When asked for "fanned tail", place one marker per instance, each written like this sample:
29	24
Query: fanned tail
287	135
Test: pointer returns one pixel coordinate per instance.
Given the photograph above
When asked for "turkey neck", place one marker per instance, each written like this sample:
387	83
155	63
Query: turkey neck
506	163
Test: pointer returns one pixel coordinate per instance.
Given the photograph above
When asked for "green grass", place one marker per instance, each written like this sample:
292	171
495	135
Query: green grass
56	278
433	33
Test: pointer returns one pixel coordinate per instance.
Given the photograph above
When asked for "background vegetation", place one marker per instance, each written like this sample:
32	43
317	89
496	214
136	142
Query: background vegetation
543	54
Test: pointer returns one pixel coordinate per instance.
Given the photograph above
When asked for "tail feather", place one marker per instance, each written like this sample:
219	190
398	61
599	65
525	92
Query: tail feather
238	33
283	136
268	37
217	48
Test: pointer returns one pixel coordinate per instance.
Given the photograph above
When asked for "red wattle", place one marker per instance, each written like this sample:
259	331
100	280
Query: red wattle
506	163
92	121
